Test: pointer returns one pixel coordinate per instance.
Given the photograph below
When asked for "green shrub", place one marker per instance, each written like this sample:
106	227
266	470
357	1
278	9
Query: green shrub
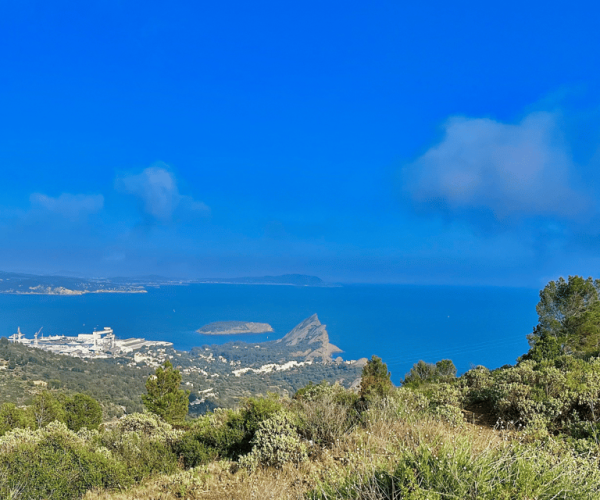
12	417
324	412
444	394
230	432
194	451
449	414
256	410
82	410
312	392
46	408
560	392
150	426
423	373
275	443
456	471
478	382
223	431
408	403
144	443
141	455
55	463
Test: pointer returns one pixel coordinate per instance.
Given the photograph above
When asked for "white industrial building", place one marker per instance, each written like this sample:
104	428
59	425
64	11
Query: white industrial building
98	344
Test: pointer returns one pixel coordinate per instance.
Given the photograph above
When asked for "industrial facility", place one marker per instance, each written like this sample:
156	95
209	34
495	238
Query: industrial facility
98	344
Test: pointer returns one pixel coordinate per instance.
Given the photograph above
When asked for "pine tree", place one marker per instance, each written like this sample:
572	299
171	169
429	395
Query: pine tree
164	397
375	379
569	319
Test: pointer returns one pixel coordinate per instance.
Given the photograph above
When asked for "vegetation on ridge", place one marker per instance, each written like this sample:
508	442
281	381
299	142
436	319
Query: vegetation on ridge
519	432
216	376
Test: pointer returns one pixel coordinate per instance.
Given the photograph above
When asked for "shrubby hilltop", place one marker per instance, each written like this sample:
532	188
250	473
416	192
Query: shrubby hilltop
217	375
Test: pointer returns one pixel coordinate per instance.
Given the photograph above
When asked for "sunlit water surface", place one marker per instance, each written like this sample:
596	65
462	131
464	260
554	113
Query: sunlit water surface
400	323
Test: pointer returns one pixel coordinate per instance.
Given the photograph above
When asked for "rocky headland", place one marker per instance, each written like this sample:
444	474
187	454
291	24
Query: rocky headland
311	339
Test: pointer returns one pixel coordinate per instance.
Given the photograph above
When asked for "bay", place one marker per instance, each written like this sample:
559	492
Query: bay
399	323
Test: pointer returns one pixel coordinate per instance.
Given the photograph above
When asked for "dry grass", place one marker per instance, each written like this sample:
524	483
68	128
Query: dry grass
360	451
220	481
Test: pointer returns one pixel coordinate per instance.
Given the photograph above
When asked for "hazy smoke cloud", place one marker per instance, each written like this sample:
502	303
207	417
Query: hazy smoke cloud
68	205
157	188
521	169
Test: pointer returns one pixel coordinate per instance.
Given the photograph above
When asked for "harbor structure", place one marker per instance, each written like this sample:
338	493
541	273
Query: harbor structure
98	344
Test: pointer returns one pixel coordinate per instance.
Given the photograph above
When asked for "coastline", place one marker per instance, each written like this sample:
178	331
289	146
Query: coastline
70	293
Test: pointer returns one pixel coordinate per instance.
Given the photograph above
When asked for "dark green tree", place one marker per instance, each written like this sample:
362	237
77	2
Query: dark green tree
82	410
375	379
12	417
164	397
569	319
445	370
422	372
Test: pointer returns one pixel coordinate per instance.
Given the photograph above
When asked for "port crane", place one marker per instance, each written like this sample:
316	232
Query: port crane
35	342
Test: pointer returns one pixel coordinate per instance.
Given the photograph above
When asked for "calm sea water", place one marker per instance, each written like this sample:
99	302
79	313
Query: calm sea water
399	323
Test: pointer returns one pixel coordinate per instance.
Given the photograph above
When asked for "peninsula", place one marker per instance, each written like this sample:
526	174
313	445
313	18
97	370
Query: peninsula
234	328
216	375
28	284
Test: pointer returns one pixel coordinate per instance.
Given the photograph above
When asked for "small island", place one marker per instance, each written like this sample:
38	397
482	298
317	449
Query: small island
234	328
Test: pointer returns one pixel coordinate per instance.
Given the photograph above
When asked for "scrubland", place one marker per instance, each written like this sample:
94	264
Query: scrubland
528	431
410	443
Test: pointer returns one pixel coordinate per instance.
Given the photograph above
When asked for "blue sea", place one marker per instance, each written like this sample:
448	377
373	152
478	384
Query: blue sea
400	323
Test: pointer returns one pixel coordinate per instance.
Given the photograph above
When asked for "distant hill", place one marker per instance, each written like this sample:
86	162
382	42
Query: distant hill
29	284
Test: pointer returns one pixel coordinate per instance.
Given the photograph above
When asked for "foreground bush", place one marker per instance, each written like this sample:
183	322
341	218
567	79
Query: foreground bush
193	451
325	413
76	411
12	417
559	393
222	431
143	444
227	433
455	471
55	463
275	444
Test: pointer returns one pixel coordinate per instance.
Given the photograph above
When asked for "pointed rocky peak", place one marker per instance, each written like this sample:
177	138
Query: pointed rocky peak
312	341
310	330
313	321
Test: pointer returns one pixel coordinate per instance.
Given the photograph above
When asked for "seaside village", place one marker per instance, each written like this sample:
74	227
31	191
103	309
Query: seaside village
98	344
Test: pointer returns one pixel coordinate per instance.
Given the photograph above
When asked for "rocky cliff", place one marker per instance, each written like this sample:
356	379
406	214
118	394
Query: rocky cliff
311	339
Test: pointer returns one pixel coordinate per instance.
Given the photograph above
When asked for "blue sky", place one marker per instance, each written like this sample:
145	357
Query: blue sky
440	142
